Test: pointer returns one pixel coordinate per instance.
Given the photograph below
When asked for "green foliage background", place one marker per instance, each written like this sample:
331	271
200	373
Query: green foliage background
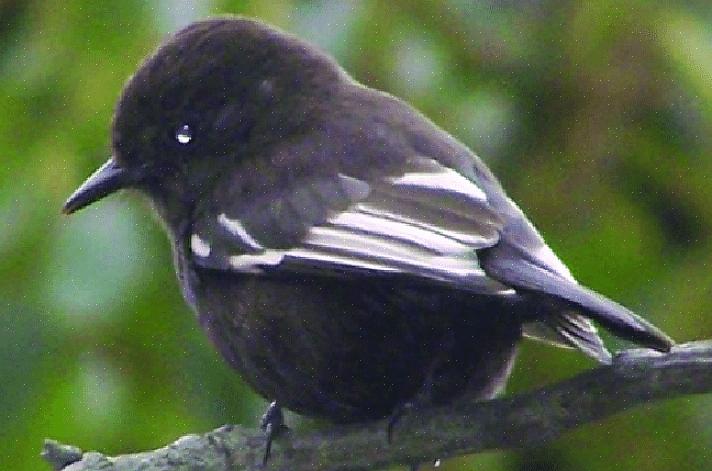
597	116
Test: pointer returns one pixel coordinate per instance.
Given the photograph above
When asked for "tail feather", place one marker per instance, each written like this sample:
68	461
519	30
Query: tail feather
569	330
524	274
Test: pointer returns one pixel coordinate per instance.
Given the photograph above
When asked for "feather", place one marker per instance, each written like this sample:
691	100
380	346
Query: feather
425	223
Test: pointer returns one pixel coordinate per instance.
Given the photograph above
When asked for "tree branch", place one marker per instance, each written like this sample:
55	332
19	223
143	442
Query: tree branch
635	377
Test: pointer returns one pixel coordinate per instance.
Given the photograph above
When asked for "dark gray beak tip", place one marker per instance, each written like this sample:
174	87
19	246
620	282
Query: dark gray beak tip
106	180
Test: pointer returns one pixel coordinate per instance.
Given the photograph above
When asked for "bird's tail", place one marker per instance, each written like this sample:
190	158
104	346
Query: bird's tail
569	299
568	329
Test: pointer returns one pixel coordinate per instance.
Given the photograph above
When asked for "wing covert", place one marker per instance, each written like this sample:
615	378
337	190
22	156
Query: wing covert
427	222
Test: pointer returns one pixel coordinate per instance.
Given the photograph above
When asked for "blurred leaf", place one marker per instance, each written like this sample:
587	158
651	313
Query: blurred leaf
98	262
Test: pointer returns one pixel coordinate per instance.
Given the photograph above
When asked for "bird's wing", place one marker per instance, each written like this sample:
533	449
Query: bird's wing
427	222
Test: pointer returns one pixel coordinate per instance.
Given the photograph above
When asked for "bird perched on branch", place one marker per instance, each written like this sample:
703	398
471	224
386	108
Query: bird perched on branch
344	254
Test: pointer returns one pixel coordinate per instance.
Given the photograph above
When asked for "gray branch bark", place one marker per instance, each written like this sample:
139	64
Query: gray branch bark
635	377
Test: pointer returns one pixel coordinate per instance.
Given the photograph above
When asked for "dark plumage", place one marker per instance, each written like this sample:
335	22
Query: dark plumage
343	253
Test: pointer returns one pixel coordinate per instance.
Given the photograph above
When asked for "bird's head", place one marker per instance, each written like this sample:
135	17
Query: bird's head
212	95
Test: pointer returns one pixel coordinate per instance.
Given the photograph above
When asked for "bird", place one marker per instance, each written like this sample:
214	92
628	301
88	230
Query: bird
348	257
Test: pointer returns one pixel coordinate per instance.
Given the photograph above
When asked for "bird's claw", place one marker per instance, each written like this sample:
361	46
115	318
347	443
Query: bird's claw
272	423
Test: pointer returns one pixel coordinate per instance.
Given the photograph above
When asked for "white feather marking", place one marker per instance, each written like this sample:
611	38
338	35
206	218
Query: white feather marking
251	263
475	240
237	229
437	267
307	254
374	247
199	246
441	266
395	230
441	178
365	244
341	247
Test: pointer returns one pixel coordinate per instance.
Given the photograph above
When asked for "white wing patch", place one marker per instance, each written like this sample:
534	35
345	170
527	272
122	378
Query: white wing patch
360	248
252	263
470	239
392	252
441	178
238	230
344	261
410	224
377	226
199	246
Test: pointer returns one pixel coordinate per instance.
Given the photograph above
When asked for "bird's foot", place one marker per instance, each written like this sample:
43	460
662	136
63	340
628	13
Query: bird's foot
272	423
395	417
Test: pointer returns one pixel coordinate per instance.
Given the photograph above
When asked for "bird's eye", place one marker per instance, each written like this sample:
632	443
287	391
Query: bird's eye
184	134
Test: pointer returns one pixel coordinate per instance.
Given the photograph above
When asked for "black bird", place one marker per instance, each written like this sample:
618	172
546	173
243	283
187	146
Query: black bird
344	254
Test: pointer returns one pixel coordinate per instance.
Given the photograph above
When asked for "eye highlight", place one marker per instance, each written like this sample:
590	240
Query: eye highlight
184	134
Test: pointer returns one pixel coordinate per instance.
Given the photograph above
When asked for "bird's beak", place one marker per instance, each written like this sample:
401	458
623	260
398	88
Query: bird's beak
106	180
